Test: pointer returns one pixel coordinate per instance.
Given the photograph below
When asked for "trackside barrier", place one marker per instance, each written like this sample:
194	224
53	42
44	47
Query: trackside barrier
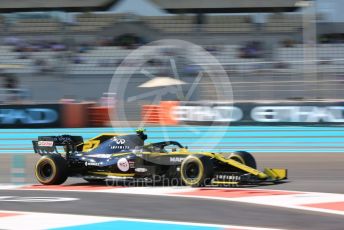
166	115
159	114
99	115
67	114
30	115
260	113
75	115
151	114
78	115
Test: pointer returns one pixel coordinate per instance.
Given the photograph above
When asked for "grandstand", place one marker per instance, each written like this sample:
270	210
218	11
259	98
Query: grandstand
261	57
89	22
173	24
96	22
284	23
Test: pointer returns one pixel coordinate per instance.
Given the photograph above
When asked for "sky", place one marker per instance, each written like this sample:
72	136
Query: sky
332	9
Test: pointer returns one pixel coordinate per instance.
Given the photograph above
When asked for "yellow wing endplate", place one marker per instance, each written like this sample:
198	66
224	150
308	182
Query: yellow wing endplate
276	173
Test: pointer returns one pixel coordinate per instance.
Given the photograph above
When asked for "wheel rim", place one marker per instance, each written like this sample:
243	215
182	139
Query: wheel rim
192	171
45	170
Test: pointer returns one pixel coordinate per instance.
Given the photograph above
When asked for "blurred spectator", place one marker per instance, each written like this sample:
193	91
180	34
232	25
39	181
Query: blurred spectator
24	55
10	82
325	61
212	49
154	62
11	92
83	48
42	65
251	50
36	46
58	47
78	60
281	65
192	69
12	41
129	41
288	43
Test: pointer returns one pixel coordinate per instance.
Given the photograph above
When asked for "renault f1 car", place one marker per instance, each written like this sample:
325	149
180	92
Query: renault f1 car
127	157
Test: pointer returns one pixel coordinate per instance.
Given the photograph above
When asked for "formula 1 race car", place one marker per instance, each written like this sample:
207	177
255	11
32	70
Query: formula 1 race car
127	157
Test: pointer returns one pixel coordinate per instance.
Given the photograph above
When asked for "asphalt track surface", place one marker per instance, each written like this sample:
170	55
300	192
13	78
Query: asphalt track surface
177	209
315	172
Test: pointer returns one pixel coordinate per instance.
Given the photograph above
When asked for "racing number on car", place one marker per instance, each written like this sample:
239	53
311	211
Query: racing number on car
91	144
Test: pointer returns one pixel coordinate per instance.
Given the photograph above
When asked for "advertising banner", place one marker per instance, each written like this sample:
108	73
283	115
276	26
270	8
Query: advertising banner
294	113
30	116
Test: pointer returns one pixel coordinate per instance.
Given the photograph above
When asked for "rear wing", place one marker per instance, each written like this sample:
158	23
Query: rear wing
47	144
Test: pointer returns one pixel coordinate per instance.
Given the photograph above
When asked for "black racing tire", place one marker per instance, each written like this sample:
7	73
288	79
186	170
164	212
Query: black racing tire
196	171
51	170
244	158
94	181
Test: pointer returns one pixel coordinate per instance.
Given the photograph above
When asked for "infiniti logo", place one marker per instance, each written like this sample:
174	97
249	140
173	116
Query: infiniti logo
119	141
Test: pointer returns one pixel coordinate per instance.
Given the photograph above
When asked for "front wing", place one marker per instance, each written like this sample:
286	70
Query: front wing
273	175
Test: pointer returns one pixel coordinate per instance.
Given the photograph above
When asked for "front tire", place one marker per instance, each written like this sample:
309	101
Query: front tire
197	171
244	158
51	170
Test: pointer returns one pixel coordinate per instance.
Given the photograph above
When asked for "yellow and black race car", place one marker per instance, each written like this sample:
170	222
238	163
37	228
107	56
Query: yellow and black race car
126	157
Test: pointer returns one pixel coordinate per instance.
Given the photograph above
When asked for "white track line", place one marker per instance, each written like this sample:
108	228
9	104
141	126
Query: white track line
38	220
34	221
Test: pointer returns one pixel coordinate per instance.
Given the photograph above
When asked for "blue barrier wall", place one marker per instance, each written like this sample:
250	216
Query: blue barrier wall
215	138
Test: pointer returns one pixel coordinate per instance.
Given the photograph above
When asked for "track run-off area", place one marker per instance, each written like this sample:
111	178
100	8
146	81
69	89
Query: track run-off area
313	198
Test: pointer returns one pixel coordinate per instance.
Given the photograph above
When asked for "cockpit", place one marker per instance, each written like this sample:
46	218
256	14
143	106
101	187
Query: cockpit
163	147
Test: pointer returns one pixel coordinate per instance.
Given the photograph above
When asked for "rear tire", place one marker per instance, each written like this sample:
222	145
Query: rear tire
197	170
51	170
244	158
